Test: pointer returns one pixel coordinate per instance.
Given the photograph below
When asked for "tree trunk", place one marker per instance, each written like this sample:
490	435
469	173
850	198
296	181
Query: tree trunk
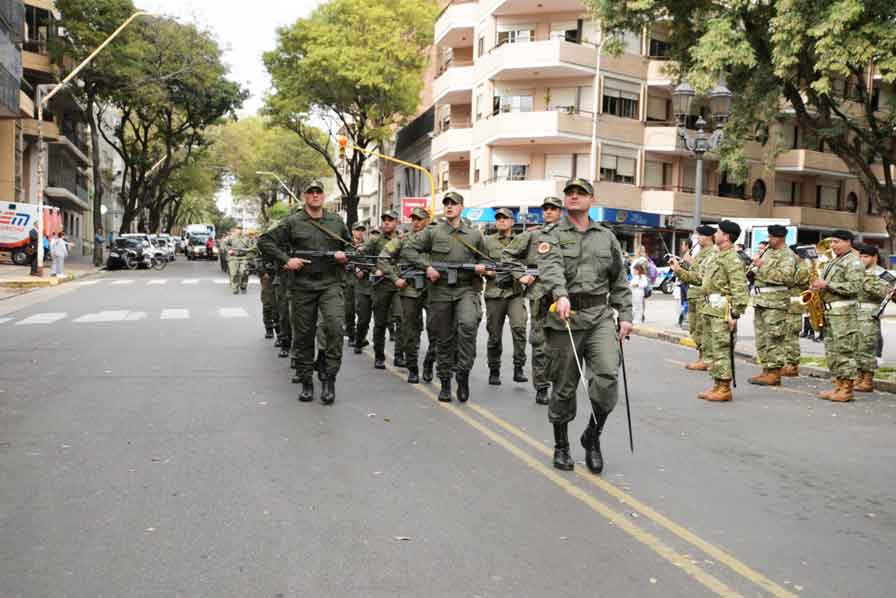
350	203
95	164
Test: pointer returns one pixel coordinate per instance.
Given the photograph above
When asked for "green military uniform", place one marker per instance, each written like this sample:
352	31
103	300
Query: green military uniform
725	294
504	300
238	262
871	293
383	296
693	276
267	270
844	275
363	305
312	291
771	302
795	313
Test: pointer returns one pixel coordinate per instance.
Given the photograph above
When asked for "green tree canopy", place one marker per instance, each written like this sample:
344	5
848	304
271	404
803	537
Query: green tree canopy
355	65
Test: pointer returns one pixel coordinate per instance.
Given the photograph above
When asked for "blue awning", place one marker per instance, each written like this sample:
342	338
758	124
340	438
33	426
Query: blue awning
626	217
479	214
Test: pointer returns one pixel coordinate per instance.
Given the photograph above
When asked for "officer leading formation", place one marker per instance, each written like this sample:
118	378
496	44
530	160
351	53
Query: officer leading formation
567	281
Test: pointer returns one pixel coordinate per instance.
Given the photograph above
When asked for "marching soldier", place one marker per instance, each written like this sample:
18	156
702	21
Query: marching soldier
581	268
792	351
383	294
312	228
504	300
692	274
413	299
839	285
455	306
349	283
725	292
776	270
523	252
267	270
237	248
873	291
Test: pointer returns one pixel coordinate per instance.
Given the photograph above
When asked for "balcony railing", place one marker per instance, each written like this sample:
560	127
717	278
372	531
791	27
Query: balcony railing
453	64
456	123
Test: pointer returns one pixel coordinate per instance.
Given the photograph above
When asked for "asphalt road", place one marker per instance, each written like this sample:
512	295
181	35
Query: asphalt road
151	445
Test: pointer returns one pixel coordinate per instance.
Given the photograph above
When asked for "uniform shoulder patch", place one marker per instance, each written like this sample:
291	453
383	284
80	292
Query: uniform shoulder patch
543	248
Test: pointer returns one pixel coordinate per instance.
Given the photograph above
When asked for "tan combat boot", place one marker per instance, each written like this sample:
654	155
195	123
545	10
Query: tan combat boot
697	366
722	393
844	395
767	378
828	394
790	371
864	382
706	393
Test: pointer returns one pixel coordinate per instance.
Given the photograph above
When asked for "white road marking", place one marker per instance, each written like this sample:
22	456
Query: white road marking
135	316
232	312
175	314
190	281
222	281
254	281
122	282
157	281
38	319
5	320
86	283
103	316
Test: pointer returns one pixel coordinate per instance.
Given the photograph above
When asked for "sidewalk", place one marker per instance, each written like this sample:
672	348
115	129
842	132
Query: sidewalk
662	319
15	280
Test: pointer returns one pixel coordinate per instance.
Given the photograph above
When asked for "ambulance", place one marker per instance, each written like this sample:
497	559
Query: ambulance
16	221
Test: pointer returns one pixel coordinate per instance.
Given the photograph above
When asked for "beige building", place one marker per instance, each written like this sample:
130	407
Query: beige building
514	101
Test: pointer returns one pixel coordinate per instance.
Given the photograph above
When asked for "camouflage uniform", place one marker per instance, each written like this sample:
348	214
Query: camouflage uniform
504	300
844	275
693	276
872	292
724	290
383	295
238	263
795	314
771	303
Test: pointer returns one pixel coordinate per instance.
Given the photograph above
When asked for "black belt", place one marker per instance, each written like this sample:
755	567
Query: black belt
580	301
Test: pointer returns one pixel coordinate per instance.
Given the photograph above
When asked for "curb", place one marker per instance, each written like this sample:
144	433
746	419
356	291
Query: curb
685	341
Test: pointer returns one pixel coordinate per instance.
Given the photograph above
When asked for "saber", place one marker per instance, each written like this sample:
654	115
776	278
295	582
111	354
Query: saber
628	409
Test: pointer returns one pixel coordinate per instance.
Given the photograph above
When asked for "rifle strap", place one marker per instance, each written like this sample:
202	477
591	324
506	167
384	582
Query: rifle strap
328	232
468	246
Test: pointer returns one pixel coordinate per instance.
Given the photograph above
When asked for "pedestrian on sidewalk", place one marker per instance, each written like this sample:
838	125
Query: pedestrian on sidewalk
58	252
33	236
639	285
98	241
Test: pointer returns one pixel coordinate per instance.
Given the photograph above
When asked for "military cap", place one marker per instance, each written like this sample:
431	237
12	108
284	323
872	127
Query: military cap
552	201
843	235
389	214
866	249
453	197
706	230
419	213
359	226
731	228
776	230
314	185
503	213
581	184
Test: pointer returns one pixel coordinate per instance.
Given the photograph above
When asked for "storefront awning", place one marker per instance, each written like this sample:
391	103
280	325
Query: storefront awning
625	217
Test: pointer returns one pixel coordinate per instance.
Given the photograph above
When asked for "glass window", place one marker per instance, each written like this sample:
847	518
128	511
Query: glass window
515	34
565	31
617	169
621	98
659	48
827	197
510	172
558	166
852	202
583	166
481	46
657	109
654	174
513	104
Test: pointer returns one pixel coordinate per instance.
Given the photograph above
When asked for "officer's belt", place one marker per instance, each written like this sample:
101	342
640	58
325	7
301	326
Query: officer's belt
580	301
761	290
838	304
871	306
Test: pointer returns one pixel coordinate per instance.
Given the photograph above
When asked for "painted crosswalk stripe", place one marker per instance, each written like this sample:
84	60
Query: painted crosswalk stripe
175	314
232	312
254	281
135	316
86	283
157	281
5	320
103	316
38	319
190	281
222	281
122	282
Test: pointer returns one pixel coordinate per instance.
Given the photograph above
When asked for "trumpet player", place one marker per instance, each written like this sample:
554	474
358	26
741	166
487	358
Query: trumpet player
839	286
874	290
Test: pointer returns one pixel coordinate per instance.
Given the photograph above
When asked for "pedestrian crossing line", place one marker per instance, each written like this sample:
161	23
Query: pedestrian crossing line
232	312
190	281
86	283
123	282
136	316
619	519
5	320
175	314
103	316
157	282
222	281
42	319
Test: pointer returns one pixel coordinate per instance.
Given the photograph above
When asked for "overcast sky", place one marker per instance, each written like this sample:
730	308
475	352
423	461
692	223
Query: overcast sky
244	29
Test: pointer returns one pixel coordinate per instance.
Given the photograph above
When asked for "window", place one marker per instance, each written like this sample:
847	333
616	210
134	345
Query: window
444	117
481	46
515	34
558	166
621	98
790	136
513	103
480	102
657	109
787	193
852	202
510	172
476	162
659	48
583	166
657	175
631	42
563	99
618	165
873	207
827	197
566	31
731	189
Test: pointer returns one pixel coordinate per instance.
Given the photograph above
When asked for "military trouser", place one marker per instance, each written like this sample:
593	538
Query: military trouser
840	345
539	354
496	312
599	348
869	336
268	302
412	328
717	347
364	309
349	291
695	323
771	336
383	316
792	342
455	324
324	306
284	318
239	273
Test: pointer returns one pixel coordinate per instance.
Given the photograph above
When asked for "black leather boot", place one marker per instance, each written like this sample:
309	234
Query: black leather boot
328	392
399	361
284	352
463	386
296	379
269	333
562	460
541	396
278	343
518	374
445	393
307	393
494	376
594	459
427	371
379	362
413	375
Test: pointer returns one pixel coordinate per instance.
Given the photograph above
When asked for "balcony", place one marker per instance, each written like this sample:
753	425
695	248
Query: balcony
49	129
656	72
532	7
513	128
663	139
552	59
35	61
453	144
528	193
802	161
681	202
454	85
814	217
454	27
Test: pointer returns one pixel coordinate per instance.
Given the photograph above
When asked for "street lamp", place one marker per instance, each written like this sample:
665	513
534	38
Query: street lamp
279	180
45	93
700	143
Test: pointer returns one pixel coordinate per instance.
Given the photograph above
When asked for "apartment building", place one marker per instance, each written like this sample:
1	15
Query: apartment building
515	97
12	29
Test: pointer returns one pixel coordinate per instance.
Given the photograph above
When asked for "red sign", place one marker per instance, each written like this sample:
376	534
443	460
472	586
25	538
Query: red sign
409	203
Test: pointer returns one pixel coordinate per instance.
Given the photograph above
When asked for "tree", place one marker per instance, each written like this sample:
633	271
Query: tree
815	54
246	147
357	66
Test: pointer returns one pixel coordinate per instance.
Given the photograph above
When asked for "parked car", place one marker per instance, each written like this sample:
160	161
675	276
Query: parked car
180	245
128	253
197	249
166	244
150	247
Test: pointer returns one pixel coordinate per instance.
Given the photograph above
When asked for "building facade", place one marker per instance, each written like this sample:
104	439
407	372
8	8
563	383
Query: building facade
12	31
519	86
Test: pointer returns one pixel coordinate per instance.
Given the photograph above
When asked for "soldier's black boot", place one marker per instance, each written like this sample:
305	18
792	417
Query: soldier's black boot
379	362
494	376
413	374
445	393
518	374
594	459
307	393
562	460
269	333
284	352
541	396
399	360
328	392
278	343
463	386
320	366
427	371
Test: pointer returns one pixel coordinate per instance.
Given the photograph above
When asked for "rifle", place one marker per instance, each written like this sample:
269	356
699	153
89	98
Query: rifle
413	275
450	270
316	259
889	278
513	273
368	265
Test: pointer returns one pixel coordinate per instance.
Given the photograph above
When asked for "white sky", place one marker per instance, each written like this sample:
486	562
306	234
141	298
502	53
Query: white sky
244	29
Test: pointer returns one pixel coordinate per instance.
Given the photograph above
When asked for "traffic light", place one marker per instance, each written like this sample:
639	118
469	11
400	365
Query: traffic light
342	140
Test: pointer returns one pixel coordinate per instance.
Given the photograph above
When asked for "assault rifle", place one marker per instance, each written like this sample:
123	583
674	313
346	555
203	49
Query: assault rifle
889	279
368	265
317	259
450	270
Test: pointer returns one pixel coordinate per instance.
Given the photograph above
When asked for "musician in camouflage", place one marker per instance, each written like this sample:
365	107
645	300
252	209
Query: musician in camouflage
795	313
874	290
691	272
